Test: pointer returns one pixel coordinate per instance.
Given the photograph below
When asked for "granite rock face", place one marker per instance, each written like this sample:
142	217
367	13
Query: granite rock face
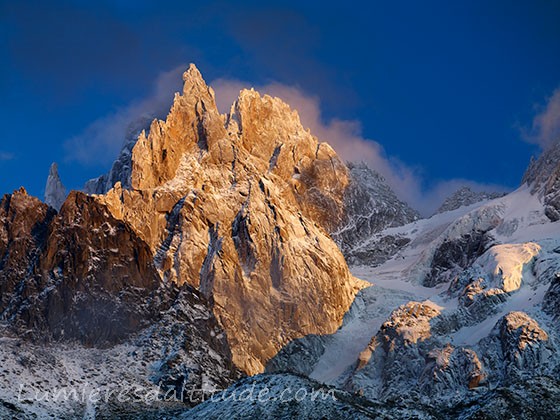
411	359
79	274
370	206
239	207
24	225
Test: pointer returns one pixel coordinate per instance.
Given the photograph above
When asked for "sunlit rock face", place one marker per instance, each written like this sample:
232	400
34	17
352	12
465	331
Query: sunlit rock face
239	207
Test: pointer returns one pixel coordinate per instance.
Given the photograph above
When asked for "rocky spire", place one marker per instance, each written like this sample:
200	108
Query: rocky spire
55	192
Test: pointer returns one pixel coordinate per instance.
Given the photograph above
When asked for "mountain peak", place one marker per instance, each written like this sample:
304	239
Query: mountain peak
194	84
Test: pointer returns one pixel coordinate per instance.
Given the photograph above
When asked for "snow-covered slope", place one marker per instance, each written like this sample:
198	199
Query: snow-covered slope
461	313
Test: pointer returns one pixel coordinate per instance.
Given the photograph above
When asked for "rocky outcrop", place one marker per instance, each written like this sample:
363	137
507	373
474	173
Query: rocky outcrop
24	224
286	396
533	398
543	176
551	302
466	197
450	369
455	255
84	277
459	245
524	342
55	192
173	364
369	207
82	274
397	351
518	347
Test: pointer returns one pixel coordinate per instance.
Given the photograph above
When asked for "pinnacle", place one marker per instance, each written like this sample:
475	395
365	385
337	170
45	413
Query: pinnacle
53	169
193	79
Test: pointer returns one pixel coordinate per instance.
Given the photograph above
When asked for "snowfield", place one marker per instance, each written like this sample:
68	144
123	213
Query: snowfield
525	241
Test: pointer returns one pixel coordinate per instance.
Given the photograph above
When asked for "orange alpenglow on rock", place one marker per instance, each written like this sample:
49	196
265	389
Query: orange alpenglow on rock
239	206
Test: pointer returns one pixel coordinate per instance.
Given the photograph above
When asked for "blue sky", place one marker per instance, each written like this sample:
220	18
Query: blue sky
446	88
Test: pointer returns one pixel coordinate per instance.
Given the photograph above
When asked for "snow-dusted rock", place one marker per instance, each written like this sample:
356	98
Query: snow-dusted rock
551	303
465	197
397	352
370	207
518	347
237	207
285	396
543	176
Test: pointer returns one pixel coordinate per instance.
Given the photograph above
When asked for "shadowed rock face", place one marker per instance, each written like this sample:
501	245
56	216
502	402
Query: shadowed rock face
543	176
523	341
106	274
85	277
80	274
55	192
369	207
551	303
455	255
24	222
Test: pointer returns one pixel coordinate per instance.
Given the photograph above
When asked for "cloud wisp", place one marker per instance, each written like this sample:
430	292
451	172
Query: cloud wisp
545	129
345	136
6	156
101	141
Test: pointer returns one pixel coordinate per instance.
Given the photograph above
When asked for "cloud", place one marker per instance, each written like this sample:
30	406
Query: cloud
6	156
345	136
101	141
545	130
